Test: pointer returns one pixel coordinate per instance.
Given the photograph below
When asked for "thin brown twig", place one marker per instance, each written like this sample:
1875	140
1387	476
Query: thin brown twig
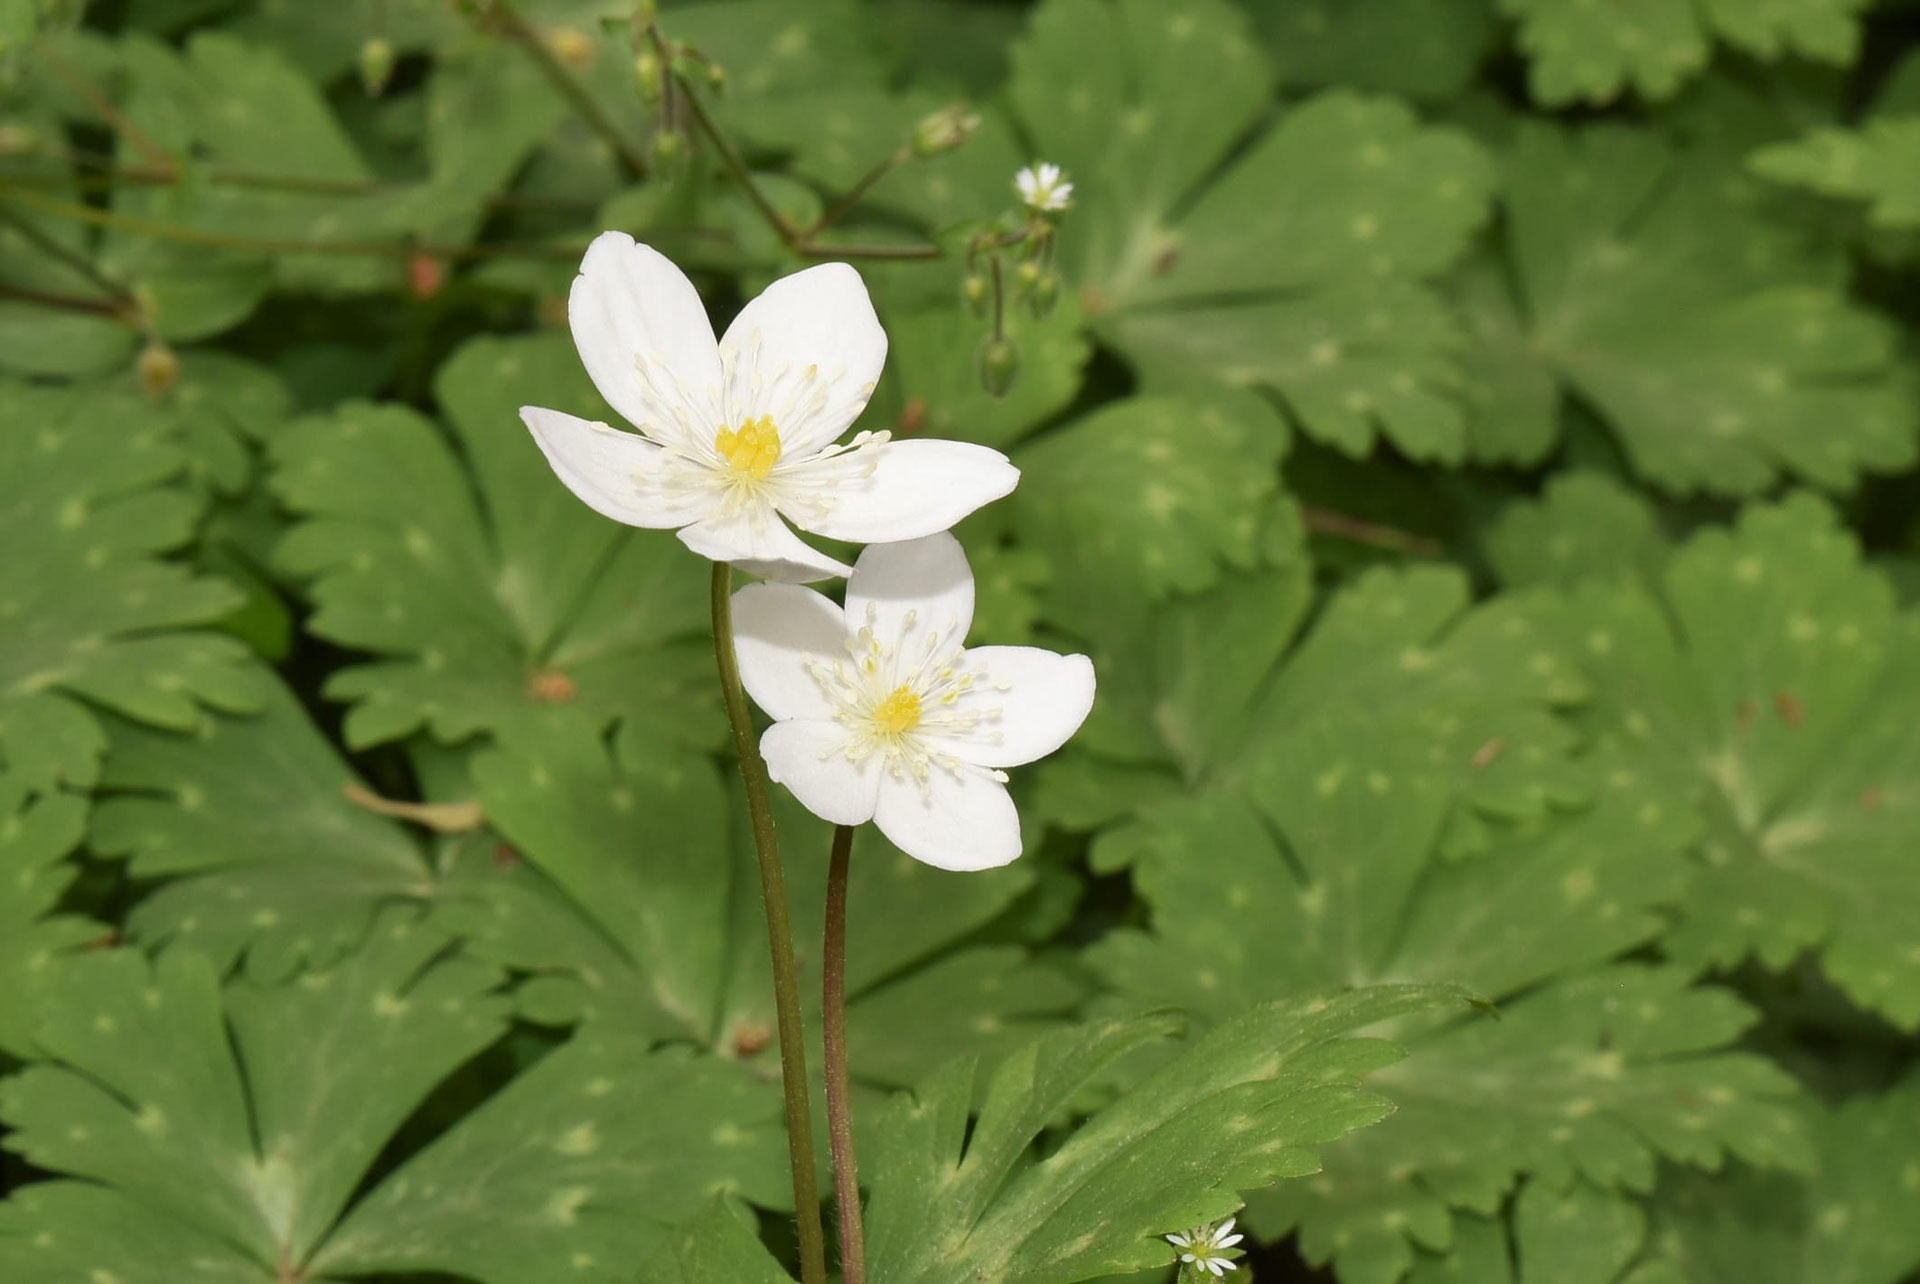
1326	521
800	241
80	263
853	194
509	22
102	174
157	156
65	302
275	245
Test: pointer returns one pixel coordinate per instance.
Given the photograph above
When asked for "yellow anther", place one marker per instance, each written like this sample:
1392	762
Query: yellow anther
899	713
753	451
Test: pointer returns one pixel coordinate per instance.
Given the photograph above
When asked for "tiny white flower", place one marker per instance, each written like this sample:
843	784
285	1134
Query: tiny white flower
739	434
1205	1247
1043	187
881	714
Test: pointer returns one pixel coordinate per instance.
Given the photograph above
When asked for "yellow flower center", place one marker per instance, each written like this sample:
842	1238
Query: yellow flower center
899	713
753	451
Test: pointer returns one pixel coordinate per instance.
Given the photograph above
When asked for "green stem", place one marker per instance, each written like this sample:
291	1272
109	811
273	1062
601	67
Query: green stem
773	896
846	1169
858	190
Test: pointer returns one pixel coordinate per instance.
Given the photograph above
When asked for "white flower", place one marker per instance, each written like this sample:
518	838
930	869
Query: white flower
737	434
1043	187
880	713
1205	1247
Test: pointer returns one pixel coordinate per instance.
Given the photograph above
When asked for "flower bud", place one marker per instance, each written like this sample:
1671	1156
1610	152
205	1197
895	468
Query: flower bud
669	145
976	291
376	65
1045	293
646	69
944	130
158	369
999	365
1025	277
717	77
572	46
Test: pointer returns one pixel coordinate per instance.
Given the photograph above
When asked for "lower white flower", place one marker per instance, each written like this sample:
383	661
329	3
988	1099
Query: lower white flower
880	713
737	435
1205	1247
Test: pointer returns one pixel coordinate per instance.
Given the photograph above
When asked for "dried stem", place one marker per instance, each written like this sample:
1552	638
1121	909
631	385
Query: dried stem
1325	521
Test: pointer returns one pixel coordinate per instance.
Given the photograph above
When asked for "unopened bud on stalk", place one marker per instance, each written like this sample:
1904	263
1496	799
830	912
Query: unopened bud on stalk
376	65
572	46
1045	293
944	130
669	145
999	365
646	69
717	77
977	292
158	368
1025	277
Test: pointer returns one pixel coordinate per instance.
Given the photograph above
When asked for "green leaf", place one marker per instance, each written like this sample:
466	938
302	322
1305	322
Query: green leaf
493	595
1153	492
1800	755
638	909
143	1100
249	820
1761	367
933	358
1425	49
1295	268
88	498
717	1247
1875	164
1597	1076
1584	526
143	1094
36	940
1580	53
1237	1109
1851	1224
573	1167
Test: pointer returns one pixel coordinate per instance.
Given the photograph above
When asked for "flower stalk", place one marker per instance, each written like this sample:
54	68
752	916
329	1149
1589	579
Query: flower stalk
846	1168
773	895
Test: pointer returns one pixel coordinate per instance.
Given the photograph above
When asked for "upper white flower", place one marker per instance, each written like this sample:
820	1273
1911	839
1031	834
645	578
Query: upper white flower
1044	187
1205	1247
738	434
881	714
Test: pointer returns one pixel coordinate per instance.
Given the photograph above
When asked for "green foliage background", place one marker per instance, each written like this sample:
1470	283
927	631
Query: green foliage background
1476	443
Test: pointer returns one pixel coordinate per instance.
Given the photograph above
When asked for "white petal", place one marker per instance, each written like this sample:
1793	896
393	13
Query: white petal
1181	1240
820	318
607	469
927	579
963	822
1042	699
775	628
758	542
916	488
809	758
1221	1266
630	300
